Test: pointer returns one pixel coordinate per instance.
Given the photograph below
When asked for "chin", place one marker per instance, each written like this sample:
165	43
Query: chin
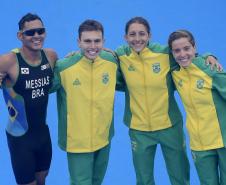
92	57
140	49
137	49
184	65
36	49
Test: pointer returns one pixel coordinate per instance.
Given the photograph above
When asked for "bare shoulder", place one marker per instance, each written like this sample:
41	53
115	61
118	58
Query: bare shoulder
7	60
51	55
8	57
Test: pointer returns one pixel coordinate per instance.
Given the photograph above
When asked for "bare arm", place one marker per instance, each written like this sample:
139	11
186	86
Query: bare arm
5	63
8	67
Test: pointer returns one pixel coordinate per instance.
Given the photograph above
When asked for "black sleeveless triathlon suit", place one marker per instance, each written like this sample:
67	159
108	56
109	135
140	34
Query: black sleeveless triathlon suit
27	132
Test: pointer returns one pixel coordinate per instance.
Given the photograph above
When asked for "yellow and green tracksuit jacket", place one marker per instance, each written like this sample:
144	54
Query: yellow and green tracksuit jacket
203	93
150	103
85	100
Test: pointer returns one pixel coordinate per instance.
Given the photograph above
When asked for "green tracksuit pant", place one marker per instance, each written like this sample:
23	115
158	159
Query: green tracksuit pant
173	147
88	168
211	166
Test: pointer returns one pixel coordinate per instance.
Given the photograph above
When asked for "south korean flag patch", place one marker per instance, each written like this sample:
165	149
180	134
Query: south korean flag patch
24	71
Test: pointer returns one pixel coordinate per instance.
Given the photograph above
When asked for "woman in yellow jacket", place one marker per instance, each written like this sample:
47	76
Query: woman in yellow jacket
151	111
203	93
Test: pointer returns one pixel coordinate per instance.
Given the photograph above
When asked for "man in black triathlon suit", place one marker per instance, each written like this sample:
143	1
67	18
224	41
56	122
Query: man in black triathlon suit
25	89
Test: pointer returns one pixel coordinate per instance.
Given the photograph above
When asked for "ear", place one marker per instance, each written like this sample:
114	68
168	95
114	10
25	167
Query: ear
45	34
125	37
149	36
20	35
79	42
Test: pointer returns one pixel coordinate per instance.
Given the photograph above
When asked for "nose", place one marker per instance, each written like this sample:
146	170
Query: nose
92	44
182	53
36	34
137	37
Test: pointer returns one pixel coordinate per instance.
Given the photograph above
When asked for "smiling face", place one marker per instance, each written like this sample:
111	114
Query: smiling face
32	42
137	36
91	43
183	51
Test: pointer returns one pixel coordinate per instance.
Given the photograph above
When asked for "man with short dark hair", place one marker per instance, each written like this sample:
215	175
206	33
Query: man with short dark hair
86	84
28	79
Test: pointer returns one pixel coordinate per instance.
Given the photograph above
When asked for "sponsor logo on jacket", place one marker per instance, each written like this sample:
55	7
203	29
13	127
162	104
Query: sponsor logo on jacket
76	82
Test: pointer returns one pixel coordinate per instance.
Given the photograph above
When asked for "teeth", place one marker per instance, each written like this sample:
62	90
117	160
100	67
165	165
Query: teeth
92	52
138	44
36	42
183	60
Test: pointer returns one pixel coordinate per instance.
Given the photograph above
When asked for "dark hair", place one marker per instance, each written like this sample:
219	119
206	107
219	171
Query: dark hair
90	25
139	20
27	18
181	34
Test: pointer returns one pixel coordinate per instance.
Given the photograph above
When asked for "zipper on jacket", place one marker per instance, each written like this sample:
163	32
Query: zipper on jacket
193	105
91	107
146	93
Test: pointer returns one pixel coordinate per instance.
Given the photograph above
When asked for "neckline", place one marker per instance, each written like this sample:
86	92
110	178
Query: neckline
30	63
